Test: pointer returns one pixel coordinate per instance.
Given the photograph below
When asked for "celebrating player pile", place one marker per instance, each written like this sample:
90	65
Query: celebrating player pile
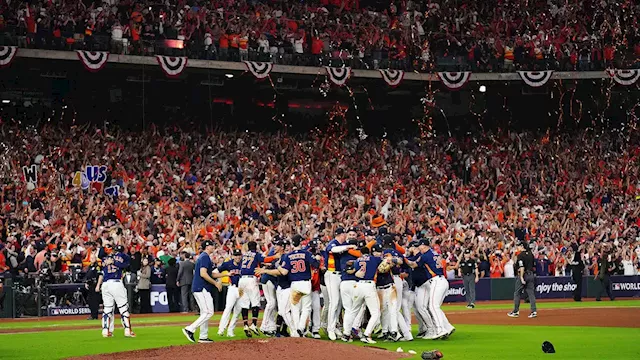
368	280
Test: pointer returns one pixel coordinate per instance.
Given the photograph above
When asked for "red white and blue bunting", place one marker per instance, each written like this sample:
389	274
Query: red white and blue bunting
7	53
172	66
259	69
535	78
338	76
454	80
93	60
624	77
392	77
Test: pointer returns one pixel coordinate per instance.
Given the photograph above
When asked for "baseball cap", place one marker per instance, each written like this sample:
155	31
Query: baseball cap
382	231
424	241
207	243
387	240
370	232
119	248
296	239
339	231
414	243
376	248
237	252
353	228
467	251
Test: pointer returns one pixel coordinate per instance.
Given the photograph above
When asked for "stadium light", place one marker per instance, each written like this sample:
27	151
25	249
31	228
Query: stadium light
483	88
6	101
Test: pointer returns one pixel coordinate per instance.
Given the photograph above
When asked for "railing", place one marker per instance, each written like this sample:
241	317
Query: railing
376	59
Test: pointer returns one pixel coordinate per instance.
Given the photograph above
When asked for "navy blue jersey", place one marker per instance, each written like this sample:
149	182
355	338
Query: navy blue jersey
265	277
233	269
395	269
199	284
419	274
299	263
368	264
250	261
432	262
344	259
283	281
114	271
406	269
333	260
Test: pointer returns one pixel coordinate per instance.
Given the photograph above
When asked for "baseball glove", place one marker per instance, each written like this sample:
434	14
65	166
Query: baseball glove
384	267
432	355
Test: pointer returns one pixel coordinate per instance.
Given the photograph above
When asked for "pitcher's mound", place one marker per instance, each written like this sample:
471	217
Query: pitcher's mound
265	349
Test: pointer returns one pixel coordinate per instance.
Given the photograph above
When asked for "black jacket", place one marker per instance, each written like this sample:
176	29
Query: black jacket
172	276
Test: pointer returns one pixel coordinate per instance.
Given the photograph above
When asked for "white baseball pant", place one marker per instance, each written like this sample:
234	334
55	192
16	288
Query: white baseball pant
422	308
300	307
269	316
347	293
438	291
284	307
402	325
408	298
251	291
316	310
114	293
231	312
332	281
365	293
325	308
205	303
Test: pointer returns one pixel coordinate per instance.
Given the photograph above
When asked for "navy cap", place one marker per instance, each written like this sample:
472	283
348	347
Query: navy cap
424	241
413	243
237	252
387	240
339	231
353	228
382	231
119	248
296	239
207	243
370	232
376	248
313	243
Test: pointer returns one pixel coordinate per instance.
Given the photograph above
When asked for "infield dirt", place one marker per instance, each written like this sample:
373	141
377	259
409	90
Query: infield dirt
265	349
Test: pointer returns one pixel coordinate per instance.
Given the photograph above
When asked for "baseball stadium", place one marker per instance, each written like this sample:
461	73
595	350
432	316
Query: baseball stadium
320	179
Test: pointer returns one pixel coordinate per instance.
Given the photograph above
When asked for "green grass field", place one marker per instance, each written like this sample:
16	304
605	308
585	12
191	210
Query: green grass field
469	342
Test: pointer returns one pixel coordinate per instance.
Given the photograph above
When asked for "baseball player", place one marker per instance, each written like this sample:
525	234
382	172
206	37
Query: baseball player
437	288
348	279
316	309
366	270
248	287
283	294
297	266
426	327
202	286
269	283
232	306
394	294
332	278
113	292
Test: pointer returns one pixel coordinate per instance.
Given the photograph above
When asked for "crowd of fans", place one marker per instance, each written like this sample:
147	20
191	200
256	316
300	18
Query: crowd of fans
177	188
493	35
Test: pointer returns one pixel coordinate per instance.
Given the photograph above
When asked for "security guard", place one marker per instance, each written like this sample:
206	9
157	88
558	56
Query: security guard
577	267
90	280
468	270
606	267
525	279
